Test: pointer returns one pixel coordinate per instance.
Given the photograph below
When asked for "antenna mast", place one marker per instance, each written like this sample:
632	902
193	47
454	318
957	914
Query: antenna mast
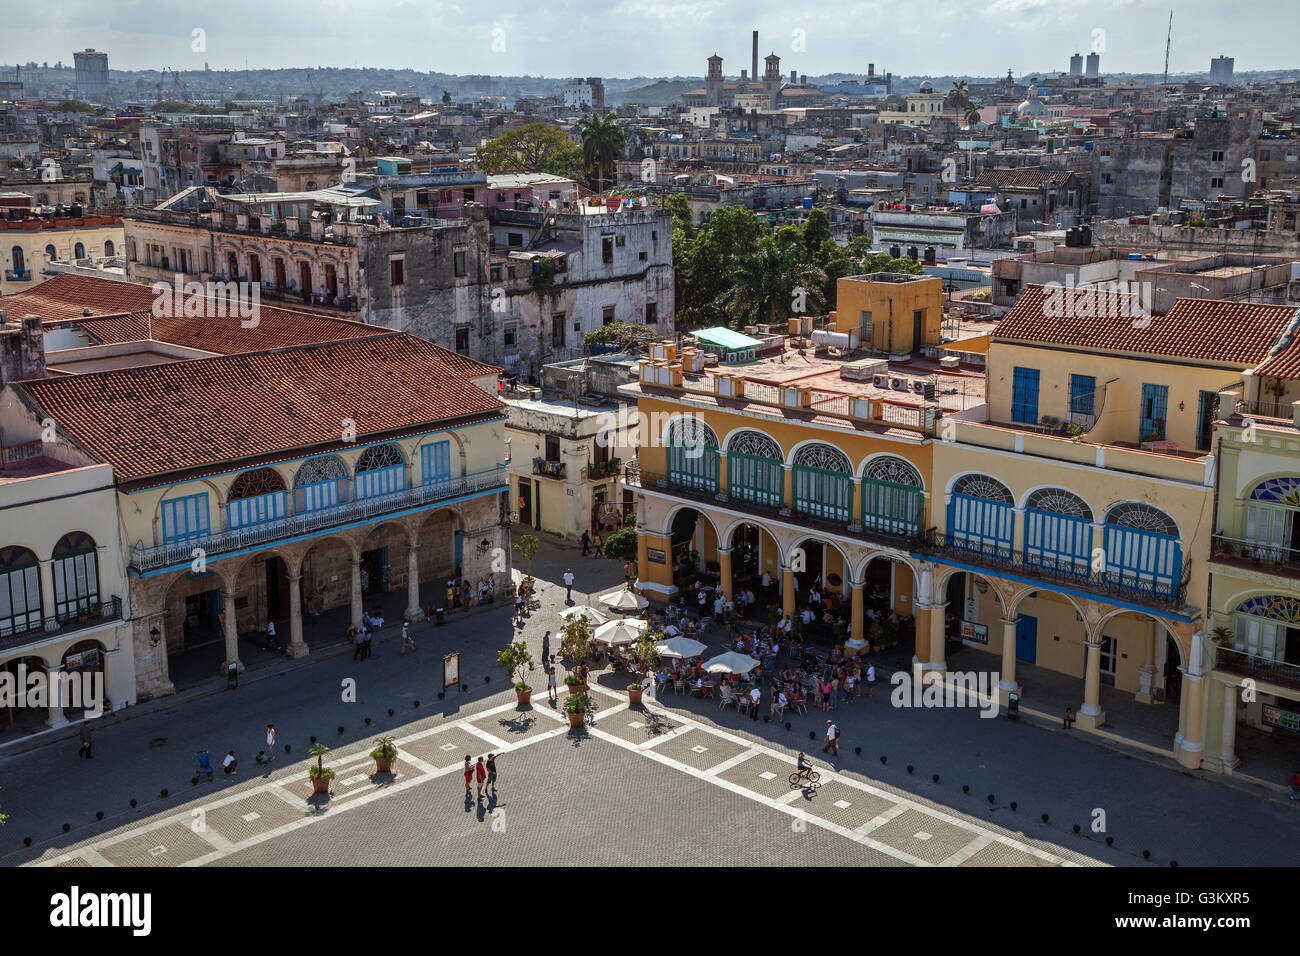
1168	39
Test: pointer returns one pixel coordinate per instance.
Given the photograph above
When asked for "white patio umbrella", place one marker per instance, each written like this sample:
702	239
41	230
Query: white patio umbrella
681	647
592	614
624	600
732	662
619	632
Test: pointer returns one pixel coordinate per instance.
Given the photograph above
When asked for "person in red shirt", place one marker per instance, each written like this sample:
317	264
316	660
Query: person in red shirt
480	775
1295	785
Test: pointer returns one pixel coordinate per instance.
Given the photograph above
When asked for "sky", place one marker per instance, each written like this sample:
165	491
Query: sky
623	38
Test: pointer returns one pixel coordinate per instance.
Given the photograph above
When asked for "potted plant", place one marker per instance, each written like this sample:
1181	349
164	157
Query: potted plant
575	684
384	754
527	549
645	661
320	774
1221	635
576	707
576	640
517	661
877	635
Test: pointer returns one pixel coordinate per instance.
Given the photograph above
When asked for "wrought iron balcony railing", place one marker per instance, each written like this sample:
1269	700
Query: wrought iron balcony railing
1261	668
87	614
1278	558
217	543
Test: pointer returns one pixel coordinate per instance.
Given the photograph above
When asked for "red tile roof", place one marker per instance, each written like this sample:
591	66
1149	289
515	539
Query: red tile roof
65	295
1222	332
1026	177
162	422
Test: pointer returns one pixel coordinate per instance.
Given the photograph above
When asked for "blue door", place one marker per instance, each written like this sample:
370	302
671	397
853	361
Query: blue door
1024	396
1027	638
1155	399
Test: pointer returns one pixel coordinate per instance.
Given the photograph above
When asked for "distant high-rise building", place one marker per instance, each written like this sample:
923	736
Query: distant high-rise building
1094	65
1221	69
1076	65
91	72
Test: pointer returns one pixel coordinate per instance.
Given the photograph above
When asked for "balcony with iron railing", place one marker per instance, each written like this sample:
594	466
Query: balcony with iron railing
1255	555
216	543
87	614
1245	664
1063	572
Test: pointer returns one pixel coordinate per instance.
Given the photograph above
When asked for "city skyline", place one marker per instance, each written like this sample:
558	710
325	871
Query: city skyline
555	40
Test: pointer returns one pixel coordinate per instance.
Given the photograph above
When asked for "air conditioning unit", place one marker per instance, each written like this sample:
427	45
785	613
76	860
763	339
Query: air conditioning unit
880	380
918	385
898	383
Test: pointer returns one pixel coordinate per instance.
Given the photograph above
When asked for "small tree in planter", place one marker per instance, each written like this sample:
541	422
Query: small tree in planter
320	774
576	640
877	635
384	754
517	661
645	661
576	707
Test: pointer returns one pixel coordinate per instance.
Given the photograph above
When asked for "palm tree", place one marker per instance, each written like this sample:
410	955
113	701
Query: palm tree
771	282
972	114
602	140
959	95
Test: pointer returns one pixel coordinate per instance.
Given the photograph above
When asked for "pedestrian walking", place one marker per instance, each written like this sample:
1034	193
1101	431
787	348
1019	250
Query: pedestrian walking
84	749
270	742
469	774
229	763
546	648
871	680
270	630
568	586
480	775
359	653
832	739
586	543
550	685
408	643
451	596
599	542
492	773
756	698
367	636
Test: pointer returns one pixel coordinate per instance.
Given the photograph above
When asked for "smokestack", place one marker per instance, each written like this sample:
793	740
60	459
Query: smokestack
803	79
754	65
871	69
744	75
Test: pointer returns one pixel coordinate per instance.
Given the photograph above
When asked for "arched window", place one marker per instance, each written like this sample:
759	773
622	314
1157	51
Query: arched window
320	483
19	261
79	251
51	254
76	575
1142	549
1058	531
108	247
20	591
1261	625
892	497
381	470
981	516
256	498
822	478
1271	518
692	454
754	469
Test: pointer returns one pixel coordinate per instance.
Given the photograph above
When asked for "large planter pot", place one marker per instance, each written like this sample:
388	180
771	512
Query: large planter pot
634	696
384	764
576	689
576	720
525	697
320	786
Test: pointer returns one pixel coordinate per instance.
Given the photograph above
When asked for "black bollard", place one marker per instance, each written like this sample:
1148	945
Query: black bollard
1075	828
487	680
390	711
287	748
811	735
1146	854
27	841
464	686
965	788
990	798
132	804
935	778
99	814
340	730
162	793
858	751
1110	841
415	703
884	759
1045	817
909	768
194	781
1013	804
787	725
67	827
313	740
367	721
441	695
1173	862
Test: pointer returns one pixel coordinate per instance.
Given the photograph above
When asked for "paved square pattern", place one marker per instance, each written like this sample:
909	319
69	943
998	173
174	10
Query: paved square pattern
999	854
180	843
842	804
513	726
762	774
698	749
637	727
941	839
430	748
251	817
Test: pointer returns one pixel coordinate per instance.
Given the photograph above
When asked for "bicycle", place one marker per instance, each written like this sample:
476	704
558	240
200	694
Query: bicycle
808	776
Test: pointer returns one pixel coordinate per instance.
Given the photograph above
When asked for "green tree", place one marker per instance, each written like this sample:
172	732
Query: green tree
972	114
681	209
602	141
567	162
771	283
522	150
517	661
959	95
816	231
446	97
621	545
527	549
74	106
702	263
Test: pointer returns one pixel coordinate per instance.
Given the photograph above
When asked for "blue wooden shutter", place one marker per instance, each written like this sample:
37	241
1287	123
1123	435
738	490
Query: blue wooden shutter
1024	396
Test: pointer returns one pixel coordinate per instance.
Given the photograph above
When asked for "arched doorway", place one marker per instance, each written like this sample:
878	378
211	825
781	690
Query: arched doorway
694	543
83	662
25	719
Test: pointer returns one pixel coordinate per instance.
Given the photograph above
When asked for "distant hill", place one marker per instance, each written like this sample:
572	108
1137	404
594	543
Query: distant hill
656	94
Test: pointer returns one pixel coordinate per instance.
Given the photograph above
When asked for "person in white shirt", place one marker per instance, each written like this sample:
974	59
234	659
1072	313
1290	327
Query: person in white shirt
228	764
782	701
806	616
568	587
756	696
767	583
871	680
718	604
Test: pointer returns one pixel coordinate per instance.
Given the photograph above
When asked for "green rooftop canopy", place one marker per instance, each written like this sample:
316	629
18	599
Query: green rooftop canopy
726	339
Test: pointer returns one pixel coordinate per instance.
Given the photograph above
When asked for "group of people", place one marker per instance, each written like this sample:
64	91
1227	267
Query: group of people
484	772
590	541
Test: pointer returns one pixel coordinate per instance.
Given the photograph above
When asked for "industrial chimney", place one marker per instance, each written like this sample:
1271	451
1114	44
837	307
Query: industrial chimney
754	65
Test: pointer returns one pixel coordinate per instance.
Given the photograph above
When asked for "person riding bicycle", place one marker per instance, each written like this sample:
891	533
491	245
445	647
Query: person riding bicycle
803	765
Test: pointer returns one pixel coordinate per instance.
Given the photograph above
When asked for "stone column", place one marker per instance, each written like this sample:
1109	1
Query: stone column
1228	747
1147	672
414	612
356	592
47	595
232	632
1007	684
938	641
297	647
55	702
857	617
724	571
1090	714
1189	745
787	592
921	659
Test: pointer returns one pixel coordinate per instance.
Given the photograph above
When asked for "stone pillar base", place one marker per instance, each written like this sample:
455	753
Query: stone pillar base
1217	764
56	722
225	667
413	614
1089	721
299	650
1188	754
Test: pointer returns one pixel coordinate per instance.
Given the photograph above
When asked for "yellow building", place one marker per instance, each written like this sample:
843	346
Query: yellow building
1062	520
27	244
